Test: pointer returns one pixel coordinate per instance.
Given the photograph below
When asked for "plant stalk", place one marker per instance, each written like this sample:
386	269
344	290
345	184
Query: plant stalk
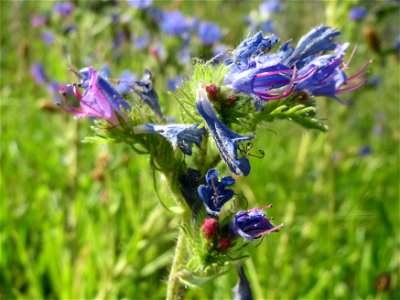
175	289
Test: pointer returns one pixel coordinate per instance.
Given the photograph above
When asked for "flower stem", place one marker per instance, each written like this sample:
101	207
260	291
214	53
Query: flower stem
175	289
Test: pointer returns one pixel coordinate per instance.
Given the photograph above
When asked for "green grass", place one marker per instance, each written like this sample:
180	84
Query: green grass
84	221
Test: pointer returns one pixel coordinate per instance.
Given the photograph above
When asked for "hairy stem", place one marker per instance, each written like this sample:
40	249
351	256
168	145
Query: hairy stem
175	289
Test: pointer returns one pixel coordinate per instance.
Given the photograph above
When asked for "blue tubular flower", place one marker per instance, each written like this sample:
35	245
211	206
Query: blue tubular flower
181	136
209	33
225	139
251	224
327	77
145	89
317	40
253	46
215	194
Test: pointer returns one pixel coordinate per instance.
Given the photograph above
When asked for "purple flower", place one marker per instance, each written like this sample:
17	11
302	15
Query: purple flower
226	140
48	37
38	74
357	13
140	4
174	23
209	33
215	194
100	99
38	21
64	9
181	136
251	224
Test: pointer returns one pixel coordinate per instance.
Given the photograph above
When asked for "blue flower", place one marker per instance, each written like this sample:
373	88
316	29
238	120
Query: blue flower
174	23
326	76
274	76
357	13
125	82
215	194
140	4
173	83
226	140
253	46
251	224
181	136
209	33
48	37
268	7
38	74
145	89
317	40
64	9
242	290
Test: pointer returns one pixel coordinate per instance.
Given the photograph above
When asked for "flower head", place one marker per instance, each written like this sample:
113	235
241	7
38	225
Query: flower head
209	33
181	136
251	224
215	194
226	140
100	99
274	76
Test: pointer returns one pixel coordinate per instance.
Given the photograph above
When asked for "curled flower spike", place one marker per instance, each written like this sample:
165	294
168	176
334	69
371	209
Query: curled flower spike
179	135
100	99
215	194
225	139
252	224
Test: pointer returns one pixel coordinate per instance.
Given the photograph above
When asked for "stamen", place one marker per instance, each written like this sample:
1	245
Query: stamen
276	228
351	88
360	72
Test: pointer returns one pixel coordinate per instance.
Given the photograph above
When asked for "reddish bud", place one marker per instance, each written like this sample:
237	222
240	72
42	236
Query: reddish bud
212	91
209	228
224	244
231	100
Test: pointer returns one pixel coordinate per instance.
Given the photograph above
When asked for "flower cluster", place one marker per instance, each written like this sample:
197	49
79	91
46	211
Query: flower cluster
222	234
292	71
